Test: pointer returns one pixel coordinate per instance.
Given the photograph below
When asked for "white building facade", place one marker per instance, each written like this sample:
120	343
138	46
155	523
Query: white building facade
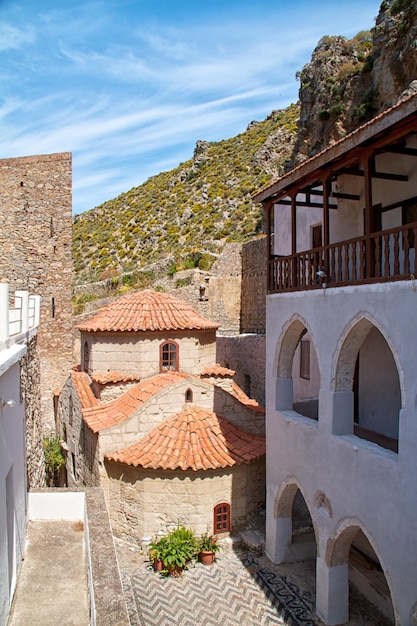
341	412
17	325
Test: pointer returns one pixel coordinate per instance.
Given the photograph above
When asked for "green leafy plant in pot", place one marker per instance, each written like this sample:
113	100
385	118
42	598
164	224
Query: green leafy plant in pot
174	551
207	548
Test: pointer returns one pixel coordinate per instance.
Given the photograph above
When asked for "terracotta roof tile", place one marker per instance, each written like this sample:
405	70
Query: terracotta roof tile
81	383
195	439
114	377
217	370
147	311
104	416
241	396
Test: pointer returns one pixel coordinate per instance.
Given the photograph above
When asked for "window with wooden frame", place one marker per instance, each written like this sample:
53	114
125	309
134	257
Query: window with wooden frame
305	359
169	356
221	518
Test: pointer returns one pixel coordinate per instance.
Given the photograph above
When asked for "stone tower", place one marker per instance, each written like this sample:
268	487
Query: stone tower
35	255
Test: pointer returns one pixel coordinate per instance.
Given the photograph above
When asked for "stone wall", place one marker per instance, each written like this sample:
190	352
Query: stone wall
138	353
81	444
31	395
245	354
145	501
35	255
254	286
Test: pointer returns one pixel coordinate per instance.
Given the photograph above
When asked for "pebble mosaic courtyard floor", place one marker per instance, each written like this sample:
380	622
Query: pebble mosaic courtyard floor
237	589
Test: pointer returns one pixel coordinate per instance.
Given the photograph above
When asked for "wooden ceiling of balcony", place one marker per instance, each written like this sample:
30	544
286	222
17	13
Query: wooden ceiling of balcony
385	133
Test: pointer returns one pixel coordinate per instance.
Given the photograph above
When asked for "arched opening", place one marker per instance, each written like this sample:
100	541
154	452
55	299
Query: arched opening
298	372
369	592
169	356
367	367
189	395
377	394
295	533
303	537
306	378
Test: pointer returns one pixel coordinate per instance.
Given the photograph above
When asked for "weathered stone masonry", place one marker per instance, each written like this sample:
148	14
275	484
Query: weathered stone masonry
30	390
35	255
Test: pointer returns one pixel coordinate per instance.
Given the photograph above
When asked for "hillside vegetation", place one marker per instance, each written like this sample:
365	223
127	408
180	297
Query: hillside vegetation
187	213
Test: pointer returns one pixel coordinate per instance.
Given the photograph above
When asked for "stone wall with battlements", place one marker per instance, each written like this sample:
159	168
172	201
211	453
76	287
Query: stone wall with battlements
35	255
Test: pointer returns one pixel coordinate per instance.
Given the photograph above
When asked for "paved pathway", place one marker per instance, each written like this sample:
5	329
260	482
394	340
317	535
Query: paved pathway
52	583
237	589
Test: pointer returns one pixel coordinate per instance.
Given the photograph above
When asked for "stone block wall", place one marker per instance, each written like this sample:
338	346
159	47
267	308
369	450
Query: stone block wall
31	395
254	286
246	355
139	353
145	501
35	255
82	446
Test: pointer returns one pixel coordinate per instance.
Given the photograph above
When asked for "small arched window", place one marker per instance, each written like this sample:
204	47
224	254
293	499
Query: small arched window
221	518
189	395
169	356
86	361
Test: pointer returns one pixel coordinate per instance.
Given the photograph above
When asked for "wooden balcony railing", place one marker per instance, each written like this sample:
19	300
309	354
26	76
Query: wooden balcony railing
383	256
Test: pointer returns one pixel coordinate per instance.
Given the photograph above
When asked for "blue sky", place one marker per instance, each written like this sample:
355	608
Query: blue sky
129	86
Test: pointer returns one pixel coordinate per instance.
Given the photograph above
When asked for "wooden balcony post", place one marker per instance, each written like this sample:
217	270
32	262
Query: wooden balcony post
268	207
369	167
294	238
327	188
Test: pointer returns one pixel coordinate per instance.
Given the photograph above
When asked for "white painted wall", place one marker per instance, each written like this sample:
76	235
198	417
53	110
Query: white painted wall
364	483
379	388
12	476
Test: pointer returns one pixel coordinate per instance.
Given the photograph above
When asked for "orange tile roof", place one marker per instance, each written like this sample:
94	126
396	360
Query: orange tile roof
195	439
114	377
82	385
117	411
217	370
147	310
241	396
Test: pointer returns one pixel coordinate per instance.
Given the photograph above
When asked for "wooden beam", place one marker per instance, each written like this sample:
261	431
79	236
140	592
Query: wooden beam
399	150
382	175
311	205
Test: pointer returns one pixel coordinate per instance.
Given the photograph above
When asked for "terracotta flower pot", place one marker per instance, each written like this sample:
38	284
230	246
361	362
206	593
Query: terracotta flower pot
206	557
158	565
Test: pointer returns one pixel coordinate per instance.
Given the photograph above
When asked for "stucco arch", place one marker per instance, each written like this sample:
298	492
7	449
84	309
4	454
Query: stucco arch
338	547
352	338
284	500
291	334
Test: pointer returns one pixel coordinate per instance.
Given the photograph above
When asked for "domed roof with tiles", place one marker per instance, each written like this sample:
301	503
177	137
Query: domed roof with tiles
195	439
147	311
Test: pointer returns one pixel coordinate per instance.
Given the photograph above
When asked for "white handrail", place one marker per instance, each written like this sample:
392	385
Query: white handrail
20	318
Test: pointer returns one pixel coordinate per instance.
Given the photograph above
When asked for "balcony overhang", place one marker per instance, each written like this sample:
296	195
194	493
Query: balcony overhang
383	133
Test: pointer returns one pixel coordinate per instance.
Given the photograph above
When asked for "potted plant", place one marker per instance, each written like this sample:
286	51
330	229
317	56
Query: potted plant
207	548
157	551
171	553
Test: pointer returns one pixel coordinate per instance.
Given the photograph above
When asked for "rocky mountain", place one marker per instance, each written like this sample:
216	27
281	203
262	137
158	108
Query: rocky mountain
186	216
